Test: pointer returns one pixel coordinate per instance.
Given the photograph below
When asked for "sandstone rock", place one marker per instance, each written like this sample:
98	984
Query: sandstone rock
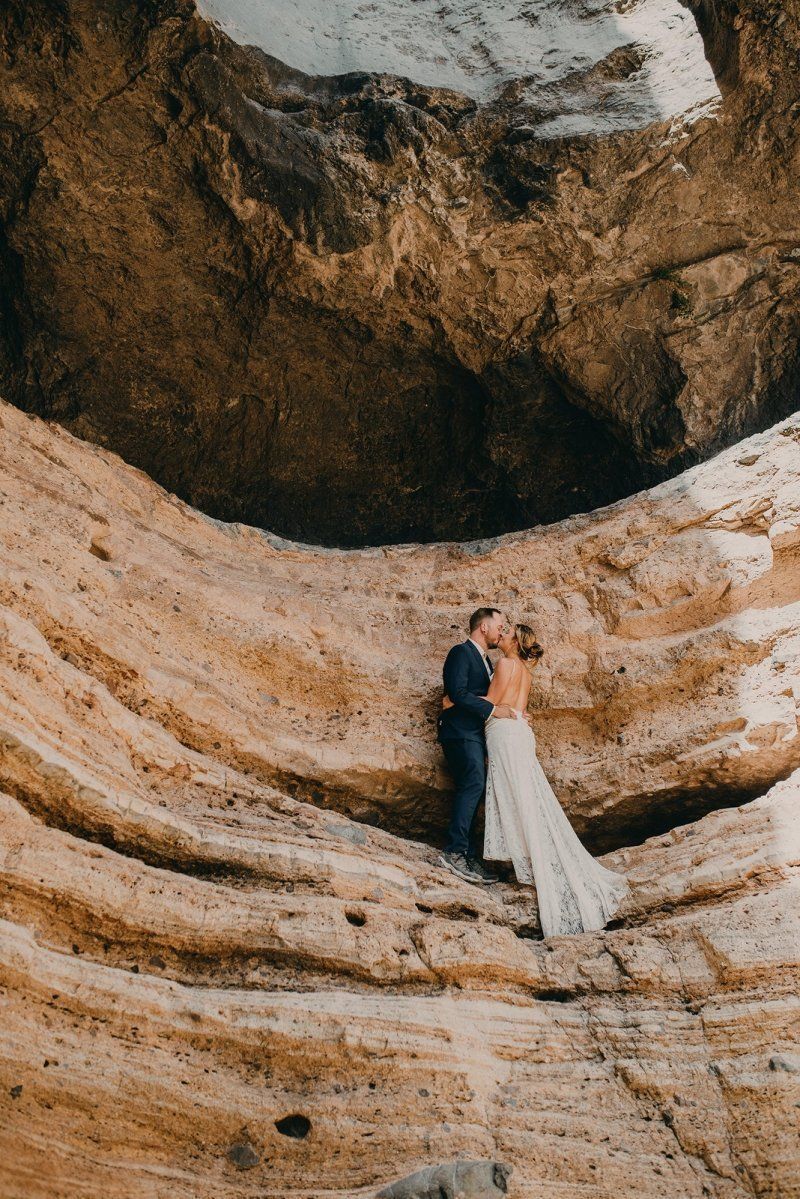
191	954
669	620
243	1156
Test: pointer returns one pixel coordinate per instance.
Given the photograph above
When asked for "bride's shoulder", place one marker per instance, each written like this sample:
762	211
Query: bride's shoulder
506	668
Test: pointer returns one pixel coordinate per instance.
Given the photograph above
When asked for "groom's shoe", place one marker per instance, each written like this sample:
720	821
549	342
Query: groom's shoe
456	863
483	873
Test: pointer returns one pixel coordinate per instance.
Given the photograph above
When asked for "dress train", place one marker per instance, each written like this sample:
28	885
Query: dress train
526	825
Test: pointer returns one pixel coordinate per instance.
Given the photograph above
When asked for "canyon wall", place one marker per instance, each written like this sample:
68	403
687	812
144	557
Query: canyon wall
371	281
214	987
669	621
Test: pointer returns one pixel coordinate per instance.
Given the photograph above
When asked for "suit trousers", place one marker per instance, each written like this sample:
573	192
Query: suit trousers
467	762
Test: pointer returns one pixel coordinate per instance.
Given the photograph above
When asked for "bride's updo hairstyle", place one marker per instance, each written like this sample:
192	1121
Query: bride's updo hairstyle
529	648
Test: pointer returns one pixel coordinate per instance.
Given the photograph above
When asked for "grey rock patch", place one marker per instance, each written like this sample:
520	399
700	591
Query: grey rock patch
790	1062
242	1156
351	832
454	1180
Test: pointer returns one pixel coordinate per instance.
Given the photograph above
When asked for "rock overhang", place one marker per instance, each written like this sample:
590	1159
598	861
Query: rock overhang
357	309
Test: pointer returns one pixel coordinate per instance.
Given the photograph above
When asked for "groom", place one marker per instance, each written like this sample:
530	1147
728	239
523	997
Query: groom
467	676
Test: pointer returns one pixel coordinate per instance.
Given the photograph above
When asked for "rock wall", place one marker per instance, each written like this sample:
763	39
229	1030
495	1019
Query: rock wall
669	620
357	309
211	987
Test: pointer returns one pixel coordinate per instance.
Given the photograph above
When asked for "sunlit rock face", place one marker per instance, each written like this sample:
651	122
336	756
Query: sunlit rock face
593	67
362	308
210	987
669	620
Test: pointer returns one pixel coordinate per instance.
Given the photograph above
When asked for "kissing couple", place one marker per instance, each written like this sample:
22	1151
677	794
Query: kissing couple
489	745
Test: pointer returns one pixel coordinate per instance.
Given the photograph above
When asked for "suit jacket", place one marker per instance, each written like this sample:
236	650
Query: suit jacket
465	681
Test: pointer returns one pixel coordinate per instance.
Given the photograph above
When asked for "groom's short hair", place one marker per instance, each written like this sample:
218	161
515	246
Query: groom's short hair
481	614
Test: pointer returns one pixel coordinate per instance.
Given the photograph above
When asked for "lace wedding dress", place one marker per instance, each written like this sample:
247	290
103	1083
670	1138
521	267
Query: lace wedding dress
526	825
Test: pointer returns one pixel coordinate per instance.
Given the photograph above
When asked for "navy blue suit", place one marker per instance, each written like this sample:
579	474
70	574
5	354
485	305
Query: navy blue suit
462	737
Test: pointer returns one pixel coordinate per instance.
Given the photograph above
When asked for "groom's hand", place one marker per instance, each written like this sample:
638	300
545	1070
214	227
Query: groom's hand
504	712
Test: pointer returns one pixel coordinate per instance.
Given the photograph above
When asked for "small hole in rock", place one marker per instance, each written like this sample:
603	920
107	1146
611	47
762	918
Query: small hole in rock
356	918
293	1126
423	907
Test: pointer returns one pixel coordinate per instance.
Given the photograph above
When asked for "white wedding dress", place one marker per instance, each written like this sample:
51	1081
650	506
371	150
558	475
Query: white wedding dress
526	825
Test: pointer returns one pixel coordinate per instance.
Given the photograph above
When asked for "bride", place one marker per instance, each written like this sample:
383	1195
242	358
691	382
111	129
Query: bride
525	823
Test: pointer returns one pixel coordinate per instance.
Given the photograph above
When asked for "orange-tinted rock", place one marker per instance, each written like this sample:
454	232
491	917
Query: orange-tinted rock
215	988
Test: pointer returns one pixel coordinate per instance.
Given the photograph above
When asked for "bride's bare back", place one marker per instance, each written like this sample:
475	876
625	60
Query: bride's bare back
510	685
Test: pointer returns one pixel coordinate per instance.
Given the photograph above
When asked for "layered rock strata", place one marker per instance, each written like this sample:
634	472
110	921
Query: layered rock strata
669	620
211	987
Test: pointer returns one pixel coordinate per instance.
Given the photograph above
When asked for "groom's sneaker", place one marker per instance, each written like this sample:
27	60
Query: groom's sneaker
483	873
456	863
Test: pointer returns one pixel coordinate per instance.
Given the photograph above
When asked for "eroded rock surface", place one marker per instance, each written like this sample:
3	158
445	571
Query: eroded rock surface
211	987
358	308
670	624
